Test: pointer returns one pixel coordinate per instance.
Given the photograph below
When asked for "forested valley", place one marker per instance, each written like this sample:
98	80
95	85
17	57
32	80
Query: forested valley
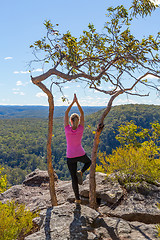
23	140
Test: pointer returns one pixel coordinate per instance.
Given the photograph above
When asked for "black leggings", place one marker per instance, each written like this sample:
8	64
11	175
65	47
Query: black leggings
72	166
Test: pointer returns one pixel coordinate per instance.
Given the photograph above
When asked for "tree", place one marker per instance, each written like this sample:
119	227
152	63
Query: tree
49	141
101	59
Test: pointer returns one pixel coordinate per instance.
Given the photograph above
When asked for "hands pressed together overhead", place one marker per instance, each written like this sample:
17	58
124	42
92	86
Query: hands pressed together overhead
75	100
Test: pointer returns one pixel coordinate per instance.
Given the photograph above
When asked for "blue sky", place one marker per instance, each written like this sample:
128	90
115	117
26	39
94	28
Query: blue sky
22	24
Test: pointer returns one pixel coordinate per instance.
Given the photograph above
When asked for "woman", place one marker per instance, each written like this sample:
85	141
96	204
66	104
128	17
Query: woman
75	151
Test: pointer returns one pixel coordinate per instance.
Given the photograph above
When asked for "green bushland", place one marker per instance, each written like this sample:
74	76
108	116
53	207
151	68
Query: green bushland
138	156
23	141
15	221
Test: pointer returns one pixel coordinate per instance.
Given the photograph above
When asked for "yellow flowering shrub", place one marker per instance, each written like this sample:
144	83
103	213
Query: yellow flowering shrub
15	220
134	162
3	181
138	157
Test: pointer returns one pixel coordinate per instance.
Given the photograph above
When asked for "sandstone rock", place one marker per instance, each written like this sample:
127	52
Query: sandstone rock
135	207
131	215
37	177
12	193
115	228
33	197
143	188
66	221
107	189
64	192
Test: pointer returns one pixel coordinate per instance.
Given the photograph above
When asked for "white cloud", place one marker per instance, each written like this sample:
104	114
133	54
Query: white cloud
15	89
41	94
155	1
93	101
23	72
78	86
19	83
26	72
89	98
7	58
151	76
66	87
111	87
19	93
38	70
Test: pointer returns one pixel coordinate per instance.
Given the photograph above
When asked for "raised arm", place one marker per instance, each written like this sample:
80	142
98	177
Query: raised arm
66	117
81	111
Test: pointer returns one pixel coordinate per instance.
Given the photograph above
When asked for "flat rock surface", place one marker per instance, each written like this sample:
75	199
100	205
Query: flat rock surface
110	228
135	207
66	221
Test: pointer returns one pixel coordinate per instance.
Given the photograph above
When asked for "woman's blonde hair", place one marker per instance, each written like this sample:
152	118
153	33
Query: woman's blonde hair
74	118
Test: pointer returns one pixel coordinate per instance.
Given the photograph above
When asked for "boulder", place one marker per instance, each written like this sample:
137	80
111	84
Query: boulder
37	177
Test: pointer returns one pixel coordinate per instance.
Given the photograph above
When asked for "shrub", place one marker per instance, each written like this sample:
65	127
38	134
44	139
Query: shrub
3	181
138	157
136	163
15	220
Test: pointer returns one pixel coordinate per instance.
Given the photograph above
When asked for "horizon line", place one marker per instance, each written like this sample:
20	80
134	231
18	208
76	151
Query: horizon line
34	105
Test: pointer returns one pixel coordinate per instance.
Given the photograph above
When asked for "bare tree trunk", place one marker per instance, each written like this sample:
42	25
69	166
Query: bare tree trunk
49	140
49	153
92	180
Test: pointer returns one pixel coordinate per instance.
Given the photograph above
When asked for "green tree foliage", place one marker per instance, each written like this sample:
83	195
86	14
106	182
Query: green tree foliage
131	134
138	157
15	221
100	58
143	7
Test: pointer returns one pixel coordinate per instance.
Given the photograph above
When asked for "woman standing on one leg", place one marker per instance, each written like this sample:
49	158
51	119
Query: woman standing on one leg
75	151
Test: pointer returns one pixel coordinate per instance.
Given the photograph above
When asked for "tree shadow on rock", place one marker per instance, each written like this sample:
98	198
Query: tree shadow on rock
47	228
110	230
78	229
138	229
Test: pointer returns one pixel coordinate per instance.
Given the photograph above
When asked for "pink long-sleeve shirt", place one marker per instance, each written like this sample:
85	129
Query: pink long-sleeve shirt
74	137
